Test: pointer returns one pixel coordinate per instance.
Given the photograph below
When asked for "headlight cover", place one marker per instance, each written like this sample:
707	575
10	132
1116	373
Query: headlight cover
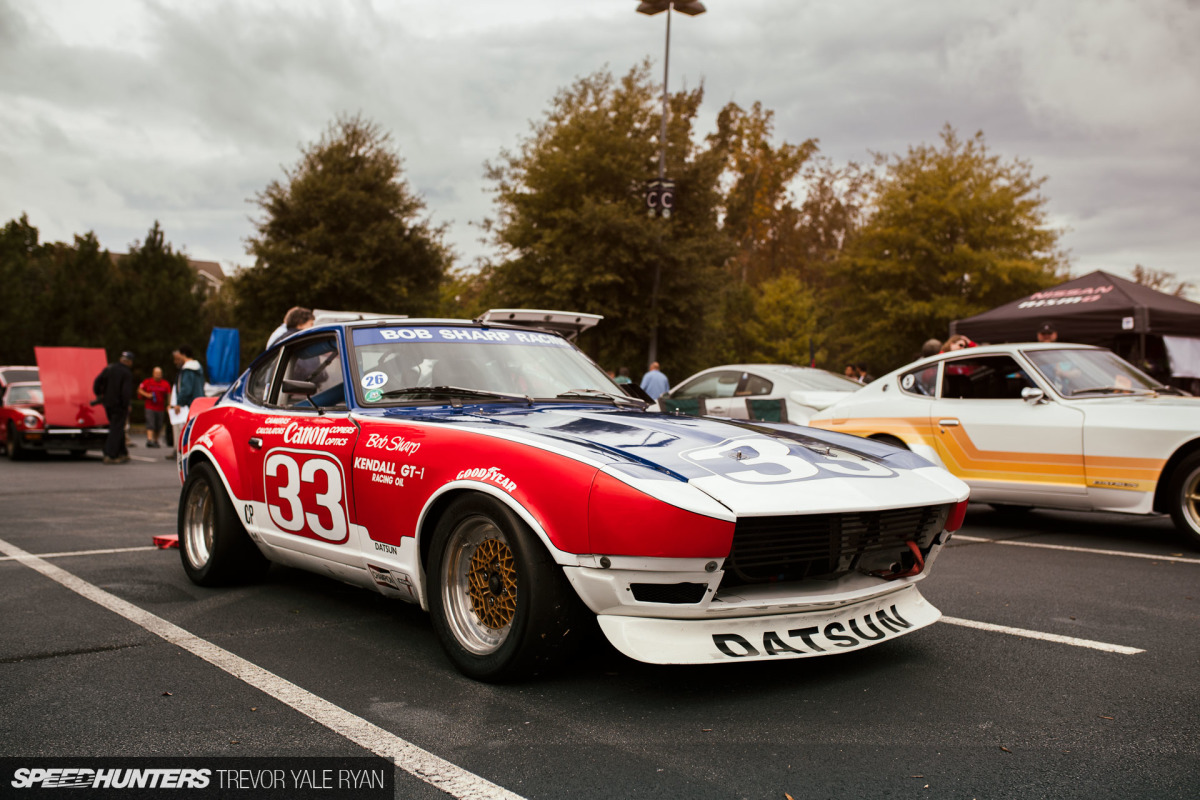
32	421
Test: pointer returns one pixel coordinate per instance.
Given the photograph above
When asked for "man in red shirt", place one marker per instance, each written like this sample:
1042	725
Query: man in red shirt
155	392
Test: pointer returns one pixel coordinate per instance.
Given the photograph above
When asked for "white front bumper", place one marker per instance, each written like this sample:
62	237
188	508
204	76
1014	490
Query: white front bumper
799	635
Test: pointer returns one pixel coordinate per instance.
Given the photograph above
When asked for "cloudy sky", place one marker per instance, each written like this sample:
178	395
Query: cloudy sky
115	113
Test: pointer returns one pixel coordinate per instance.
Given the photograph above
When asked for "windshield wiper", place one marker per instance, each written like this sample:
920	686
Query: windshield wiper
1107	390
616	399
455	391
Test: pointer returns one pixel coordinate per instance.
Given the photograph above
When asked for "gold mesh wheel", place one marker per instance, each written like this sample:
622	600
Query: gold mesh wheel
1191	499
480	583
492	576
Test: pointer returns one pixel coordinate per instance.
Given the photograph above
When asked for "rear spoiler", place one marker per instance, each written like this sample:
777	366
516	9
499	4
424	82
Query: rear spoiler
569	324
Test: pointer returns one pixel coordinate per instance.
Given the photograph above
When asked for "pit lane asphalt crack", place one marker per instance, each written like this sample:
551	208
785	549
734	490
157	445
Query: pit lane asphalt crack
63	653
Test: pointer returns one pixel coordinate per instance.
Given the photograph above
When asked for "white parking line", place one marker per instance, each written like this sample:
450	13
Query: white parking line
448	777
84	553
1011	543
1046	637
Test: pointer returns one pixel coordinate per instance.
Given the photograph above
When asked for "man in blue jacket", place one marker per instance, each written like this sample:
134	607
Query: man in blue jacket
189	384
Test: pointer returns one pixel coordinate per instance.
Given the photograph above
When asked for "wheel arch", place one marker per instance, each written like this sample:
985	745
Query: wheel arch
890	438
1164	479
200	455
441	500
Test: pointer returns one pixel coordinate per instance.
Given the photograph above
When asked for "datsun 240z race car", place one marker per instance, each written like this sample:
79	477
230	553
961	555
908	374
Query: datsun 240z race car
496	476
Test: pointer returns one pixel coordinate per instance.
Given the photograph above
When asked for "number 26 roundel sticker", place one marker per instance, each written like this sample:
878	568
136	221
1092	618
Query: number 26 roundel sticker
305	494
374	380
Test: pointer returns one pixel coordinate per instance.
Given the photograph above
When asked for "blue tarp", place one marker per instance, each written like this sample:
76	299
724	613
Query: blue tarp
224	356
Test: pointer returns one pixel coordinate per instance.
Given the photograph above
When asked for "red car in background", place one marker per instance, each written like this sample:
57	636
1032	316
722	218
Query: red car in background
49	407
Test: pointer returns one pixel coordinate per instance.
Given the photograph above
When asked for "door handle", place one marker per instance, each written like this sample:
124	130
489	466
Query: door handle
256	442
948	423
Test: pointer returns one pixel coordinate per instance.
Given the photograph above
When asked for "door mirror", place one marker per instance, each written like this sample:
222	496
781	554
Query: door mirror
306	388
1033	395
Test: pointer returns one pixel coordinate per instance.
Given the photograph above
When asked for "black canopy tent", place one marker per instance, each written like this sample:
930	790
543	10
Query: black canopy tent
1097	308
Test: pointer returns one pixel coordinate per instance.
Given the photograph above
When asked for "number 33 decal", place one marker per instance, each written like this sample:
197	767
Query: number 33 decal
759	459
309	485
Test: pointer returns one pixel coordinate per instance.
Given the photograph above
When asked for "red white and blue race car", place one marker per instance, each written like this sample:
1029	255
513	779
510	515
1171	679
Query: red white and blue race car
493	474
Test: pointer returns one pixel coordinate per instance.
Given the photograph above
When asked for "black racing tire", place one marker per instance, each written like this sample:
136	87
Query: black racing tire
213	543
12	444
502	609
1183	498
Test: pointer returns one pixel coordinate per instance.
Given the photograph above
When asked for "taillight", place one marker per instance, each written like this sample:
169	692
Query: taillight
955	521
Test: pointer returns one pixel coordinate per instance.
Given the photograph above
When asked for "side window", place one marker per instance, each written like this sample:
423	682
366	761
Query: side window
714	384
920	381
984	378
260	381
756	386
315	361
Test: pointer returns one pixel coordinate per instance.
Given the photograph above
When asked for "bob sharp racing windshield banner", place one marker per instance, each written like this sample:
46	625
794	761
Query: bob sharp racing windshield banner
249	778
452	335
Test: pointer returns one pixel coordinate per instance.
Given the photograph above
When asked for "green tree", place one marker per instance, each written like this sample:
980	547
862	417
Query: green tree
22	274
82	303
784	326
1161	280
574	233
953	230
759	210
343	231
158	300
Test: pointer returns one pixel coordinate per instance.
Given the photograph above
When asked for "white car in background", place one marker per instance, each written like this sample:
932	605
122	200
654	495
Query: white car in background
738	391
1041	426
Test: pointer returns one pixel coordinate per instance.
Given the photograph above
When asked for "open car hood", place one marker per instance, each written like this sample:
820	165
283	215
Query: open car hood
67	374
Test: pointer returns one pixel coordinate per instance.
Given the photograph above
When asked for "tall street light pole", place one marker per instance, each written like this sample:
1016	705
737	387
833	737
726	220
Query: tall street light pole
661	190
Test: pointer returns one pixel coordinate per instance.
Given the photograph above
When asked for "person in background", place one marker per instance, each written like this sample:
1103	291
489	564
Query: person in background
931	348
857	372
623	376
957	342
155	391
189	384
114	387
654	382
1047	333
296	319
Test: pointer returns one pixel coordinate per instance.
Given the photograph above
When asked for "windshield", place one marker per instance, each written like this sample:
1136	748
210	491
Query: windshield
25	395
820	380
1078	373
506	363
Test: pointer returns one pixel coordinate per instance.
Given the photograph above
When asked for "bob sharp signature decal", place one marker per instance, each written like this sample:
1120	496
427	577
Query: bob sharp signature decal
816	639
391	444
490	475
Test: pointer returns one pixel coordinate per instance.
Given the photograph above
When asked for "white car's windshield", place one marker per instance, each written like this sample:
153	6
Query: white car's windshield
820	380
416	363
25	394
1078	373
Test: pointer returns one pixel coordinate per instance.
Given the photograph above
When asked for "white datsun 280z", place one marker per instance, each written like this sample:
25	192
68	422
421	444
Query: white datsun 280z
1041	426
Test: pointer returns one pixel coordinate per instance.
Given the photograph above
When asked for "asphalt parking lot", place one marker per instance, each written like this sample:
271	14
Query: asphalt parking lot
1066	667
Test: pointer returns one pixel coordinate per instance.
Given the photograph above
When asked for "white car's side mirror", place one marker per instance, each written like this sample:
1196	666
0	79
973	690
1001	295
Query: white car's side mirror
1033	395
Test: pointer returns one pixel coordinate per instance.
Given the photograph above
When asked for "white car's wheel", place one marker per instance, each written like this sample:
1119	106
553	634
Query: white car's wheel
501	607
1183	496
